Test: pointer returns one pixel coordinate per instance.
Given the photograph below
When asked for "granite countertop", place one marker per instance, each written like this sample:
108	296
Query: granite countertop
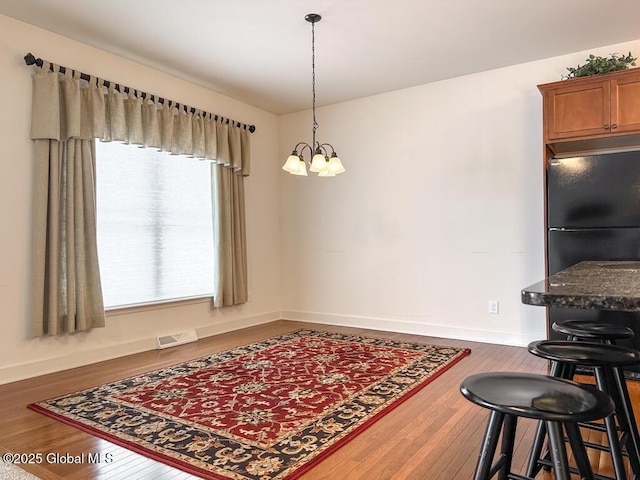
589	285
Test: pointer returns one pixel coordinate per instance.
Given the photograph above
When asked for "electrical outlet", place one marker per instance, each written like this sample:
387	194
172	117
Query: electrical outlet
493	307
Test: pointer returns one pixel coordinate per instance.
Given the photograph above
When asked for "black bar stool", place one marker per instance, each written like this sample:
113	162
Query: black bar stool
607	362
592	331
556	402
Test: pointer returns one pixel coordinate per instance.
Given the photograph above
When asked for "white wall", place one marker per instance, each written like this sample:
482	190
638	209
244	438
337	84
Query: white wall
22	356
440	210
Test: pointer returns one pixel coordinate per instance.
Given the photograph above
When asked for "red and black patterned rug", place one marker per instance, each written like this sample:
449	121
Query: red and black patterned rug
264	411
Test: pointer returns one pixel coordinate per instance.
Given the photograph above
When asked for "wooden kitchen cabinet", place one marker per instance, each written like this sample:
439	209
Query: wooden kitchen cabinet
594	111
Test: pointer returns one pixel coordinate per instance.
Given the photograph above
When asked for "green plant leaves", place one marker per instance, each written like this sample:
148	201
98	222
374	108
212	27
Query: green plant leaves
601	65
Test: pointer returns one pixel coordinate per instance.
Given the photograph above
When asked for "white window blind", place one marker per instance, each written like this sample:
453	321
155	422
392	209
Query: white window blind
155	230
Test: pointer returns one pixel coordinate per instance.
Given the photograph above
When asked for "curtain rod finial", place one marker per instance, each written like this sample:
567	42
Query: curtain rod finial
30	59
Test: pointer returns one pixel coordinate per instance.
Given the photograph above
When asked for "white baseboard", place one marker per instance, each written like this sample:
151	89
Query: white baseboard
36	368
414	328
237	324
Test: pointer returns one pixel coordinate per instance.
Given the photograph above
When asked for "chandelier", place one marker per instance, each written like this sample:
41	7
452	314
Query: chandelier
322	163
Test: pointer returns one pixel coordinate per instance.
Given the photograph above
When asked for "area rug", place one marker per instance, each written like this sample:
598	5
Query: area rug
9	471
265	411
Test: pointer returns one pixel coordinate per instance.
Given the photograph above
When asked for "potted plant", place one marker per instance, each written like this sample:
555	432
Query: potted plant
596	65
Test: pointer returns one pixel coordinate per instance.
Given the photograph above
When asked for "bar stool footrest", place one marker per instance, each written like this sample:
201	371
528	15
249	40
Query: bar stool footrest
549	464
601	428
594	426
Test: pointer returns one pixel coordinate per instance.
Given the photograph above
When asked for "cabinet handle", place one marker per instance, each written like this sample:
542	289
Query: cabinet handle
606	127
614	125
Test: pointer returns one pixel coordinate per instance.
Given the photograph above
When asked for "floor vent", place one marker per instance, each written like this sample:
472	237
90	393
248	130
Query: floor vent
174	339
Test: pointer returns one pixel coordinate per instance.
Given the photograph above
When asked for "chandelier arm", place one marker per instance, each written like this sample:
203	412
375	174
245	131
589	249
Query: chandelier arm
320	149
323	145
305	145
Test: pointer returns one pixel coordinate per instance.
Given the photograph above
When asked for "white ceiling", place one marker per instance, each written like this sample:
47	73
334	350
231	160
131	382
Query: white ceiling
259	51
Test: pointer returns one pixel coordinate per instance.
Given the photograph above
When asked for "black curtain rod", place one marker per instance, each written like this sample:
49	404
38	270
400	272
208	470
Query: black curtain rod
30	59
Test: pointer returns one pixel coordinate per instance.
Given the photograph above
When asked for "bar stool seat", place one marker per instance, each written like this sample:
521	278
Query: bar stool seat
556	402
590	354
593	331
607	362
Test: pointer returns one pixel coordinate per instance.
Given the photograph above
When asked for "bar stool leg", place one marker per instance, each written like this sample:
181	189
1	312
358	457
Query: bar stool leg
579	451
506	452
533	467
627	416
558	370
489	444
610	426
558	451
562	370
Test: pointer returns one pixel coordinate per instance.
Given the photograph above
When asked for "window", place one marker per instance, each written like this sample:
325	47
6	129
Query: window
155	230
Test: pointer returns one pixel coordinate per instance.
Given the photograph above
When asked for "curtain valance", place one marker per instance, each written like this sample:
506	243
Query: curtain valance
70	111
65	107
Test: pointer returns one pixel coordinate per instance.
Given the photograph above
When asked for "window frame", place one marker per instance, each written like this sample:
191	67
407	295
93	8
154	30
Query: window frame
167	301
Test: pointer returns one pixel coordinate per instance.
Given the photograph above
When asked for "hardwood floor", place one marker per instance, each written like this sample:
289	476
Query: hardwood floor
434	435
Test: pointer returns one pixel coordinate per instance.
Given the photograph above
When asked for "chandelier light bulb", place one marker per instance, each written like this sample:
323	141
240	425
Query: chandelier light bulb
335	165
319	163
291	165
301	167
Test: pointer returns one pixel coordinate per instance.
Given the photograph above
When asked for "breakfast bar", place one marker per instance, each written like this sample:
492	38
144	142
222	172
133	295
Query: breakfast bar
611	289
595	285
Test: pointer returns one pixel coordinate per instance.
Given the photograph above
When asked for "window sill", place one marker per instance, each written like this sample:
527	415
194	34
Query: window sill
179	302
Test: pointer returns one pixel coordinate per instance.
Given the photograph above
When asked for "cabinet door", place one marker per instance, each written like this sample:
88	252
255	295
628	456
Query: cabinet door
580	110
625	104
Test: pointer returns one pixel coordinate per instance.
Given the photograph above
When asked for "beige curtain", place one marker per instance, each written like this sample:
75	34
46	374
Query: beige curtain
229	237
67	290
68	114
229	218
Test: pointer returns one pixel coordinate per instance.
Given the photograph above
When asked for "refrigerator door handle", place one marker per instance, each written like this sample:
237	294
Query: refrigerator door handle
562	229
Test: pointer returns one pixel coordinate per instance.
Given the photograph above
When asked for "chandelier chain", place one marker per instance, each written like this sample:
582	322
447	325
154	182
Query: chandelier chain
313	79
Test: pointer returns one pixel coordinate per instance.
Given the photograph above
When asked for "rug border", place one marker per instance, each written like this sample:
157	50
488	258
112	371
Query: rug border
188	468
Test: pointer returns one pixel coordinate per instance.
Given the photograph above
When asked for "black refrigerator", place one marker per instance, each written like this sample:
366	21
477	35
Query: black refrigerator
593	213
